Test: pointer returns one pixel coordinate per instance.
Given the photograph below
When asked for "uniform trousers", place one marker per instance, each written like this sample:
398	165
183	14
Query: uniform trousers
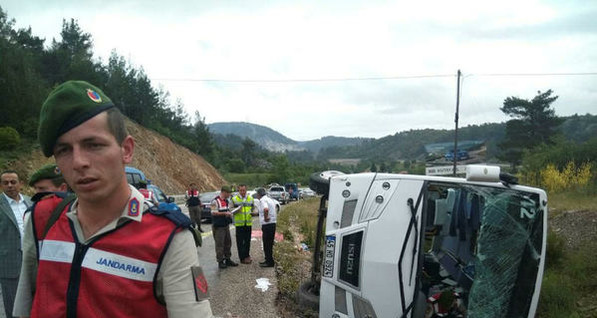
195	215
9	291
223	242
269	232
243	241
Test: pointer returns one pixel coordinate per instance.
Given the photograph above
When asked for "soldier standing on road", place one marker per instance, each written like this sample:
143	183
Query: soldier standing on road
13	205
194	205
267	218
243	221
107	254
221	218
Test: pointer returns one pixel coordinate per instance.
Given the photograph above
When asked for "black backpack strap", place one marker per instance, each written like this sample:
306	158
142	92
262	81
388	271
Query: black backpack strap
180	220
56	213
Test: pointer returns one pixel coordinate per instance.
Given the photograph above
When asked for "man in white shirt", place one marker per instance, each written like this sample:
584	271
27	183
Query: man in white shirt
12	209
267	218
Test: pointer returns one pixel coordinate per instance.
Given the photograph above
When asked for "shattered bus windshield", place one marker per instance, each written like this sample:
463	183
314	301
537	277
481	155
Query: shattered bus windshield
482	250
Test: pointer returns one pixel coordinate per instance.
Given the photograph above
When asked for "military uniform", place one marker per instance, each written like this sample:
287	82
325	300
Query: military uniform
140	264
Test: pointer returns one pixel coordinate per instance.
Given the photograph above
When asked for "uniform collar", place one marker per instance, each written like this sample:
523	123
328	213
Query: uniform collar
133	210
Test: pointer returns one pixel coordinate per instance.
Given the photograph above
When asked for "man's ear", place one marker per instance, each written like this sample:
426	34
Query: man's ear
128	148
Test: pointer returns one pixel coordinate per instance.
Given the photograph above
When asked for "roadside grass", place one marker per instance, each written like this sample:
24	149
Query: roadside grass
572	201
297	222
250	179
570	281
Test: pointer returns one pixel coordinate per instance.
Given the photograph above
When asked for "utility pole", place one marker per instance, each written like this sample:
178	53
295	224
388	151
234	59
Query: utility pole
455	157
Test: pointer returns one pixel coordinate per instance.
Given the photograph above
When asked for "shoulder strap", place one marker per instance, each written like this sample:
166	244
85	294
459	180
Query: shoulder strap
56	213
179	220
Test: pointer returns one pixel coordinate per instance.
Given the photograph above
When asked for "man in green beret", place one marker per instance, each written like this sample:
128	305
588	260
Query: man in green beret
47	179
107	254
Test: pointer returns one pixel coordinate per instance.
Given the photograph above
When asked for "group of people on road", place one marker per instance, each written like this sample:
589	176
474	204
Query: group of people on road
240	210
89	244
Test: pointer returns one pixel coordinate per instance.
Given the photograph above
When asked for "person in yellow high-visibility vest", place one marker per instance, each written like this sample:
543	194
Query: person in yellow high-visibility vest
243	221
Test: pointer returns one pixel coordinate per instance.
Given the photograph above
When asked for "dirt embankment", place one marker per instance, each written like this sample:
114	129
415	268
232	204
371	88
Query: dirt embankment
168	165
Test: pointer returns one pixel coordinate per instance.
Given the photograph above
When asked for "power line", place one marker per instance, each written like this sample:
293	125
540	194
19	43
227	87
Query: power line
382	78
534	74
302	80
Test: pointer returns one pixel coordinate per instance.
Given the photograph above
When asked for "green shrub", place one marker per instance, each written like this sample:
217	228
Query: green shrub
9	138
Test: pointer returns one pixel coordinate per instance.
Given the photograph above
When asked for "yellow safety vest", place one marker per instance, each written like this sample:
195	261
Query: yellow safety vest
243	217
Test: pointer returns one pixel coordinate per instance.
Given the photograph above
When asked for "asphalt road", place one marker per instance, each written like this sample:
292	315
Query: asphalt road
233	290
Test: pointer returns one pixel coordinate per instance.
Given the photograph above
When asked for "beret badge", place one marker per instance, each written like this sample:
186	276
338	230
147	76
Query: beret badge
94	96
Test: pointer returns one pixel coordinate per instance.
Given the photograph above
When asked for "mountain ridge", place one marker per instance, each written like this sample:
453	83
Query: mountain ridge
401	145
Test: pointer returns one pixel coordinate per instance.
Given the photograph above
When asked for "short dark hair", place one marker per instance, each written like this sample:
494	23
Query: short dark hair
10	171
116	124
242	185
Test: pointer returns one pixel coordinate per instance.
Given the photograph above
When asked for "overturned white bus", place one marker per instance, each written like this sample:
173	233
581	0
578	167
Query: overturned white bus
393	242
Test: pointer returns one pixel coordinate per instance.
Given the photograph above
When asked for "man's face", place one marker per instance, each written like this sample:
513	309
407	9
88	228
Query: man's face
242	191
193	186
224	194
11	185
46	185
91	160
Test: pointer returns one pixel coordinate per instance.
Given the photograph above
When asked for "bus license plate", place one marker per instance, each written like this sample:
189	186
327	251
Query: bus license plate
328	263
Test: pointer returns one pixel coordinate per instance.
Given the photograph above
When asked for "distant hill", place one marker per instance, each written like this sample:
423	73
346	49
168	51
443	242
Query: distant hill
263	136
331	141
231	134
402	145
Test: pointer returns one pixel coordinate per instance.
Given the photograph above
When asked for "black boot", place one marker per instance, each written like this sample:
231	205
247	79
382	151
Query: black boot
229	262
222	264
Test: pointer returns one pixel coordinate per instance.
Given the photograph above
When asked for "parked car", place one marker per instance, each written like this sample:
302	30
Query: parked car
462	155
134	176
206	198
293	191
306	193
278	193
166	202
257	202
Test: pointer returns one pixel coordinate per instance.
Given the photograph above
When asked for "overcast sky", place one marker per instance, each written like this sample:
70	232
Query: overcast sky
274	57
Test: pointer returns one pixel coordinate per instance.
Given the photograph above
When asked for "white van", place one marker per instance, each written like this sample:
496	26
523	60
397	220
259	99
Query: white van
393	242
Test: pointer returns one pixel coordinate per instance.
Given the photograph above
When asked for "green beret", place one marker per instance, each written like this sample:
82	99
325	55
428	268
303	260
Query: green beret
49	171
68	105
226	189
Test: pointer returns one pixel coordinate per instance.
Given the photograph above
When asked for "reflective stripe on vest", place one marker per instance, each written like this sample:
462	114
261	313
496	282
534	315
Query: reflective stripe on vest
112	276
243	217
98	260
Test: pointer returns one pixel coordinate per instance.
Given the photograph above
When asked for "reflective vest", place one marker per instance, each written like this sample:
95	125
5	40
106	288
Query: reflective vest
193	198
221	221
243	217
113	276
